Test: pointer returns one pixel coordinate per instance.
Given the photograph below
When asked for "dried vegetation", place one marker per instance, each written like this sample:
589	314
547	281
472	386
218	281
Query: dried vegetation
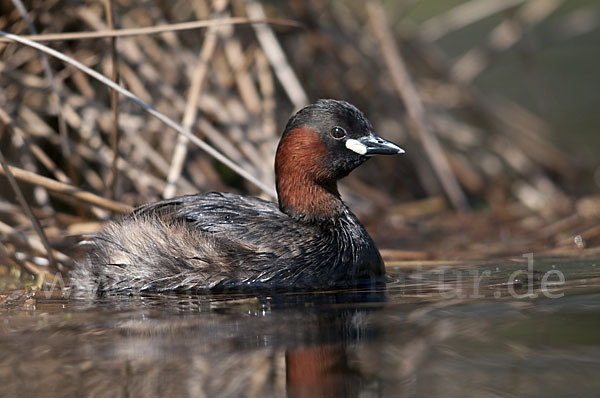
481	176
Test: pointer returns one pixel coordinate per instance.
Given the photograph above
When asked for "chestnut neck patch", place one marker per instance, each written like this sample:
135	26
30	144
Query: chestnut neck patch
306	184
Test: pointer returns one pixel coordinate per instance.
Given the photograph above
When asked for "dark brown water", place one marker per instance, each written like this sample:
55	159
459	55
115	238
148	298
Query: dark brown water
453	331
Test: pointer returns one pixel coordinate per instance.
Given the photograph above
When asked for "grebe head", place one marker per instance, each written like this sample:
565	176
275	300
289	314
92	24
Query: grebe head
322	143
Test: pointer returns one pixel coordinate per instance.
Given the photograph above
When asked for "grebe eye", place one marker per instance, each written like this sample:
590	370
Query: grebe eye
338	132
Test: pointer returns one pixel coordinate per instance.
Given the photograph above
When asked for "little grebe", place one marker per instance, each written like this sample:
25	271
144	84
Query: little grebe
222	241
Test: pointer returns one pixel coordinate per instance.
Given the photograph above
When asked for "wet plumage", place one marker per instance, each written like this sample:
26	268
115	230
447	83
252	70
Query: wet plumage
223	241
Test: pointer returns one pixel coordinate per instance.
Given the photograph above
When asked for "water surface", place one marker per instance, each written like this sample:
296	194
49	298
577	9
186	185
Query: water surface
489	329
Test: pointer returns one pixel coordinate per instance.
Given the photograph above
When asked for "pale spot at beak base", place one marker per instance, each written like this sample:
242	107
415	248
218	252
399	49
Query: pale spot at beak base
356	146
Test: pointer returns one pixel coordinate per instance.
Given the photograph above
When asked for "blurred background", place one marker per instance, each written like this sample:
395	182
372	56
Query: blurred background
495	102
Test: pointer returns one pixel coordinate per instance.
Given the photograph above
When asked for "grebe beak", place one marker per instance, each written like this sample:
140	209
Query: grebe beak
372	144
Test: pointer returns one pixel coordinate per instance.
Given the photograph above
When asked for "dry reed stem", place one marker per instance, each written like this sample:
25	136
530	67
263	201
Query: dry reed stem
236	60
151	30
198	78
416	113
267	89
63	188
114	102
267	132
236	112
221	142
26	208
276	56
